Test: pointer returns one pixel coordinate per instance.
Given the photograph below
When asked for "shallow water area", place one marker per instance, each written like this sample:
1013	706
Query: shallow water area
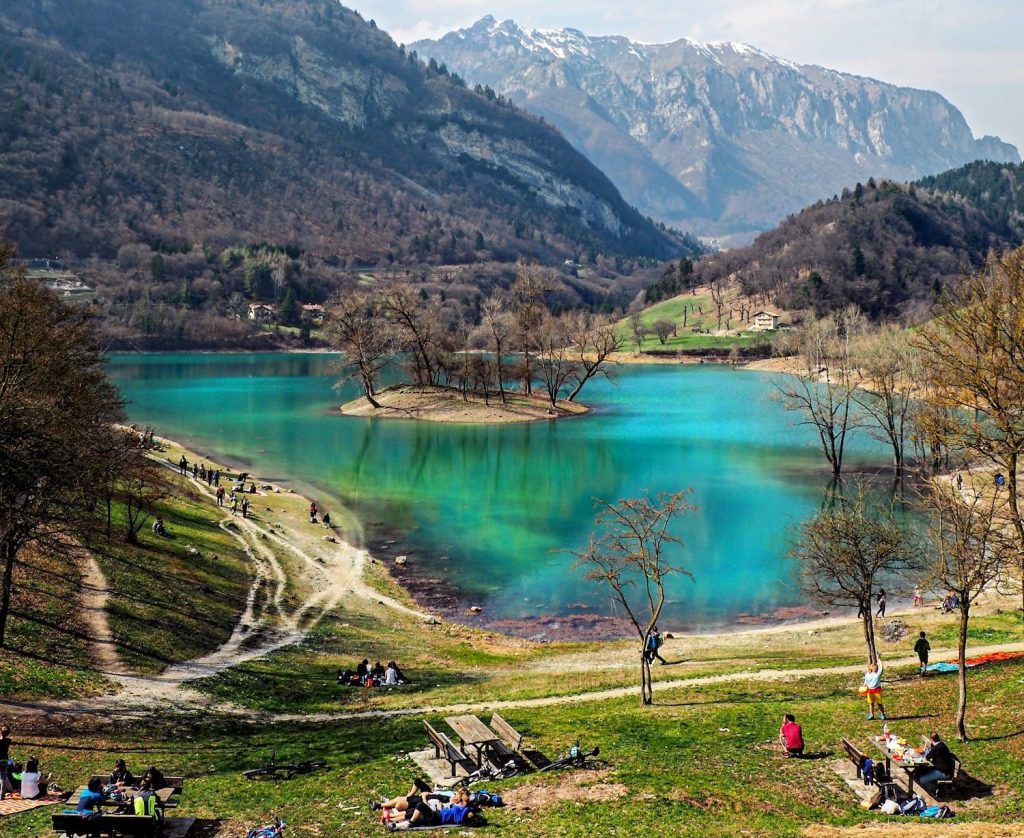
489	515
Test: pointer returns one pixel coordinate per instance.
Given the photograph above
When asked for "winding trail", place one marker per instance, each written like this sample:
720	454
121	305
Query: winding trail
333	572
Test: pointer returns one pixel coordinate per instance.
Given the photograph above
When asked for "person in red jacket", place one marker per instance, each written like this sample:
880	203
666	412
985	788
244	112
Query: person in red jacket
791	736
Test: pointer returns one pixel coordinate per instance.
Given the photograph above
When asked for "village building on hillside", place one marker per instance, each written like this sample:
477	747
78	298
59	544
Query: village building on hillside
313	313
764	321
262	312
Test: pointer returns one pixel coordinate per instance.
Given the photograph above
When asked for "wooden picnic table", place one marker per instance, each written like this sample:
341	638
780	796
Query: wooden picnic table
163	796
908	768
474	733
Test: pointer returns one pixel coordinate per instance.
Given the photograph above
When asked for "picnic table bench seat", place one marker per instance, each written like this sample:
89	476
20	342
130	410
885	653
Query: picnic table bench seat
139	826
509	745
176	784
856	756
444	748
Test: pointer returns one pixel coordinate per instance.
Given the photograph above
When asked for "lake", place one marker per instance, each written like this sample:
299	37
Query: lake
487	513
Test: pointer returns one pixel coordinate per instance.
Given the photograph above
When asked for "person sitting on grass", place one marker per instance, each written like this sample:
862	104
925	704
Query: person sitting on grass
159	528
33	784
791	736
377	671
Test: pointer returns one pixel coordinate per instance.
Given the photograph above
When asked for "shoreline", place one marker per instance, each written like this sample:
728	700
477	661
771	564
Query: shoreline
454	609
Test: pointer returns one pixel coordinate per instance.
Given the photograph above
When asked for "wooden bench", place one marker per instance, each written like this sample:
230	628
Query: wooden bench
142	826
508	733
444	748
510	746
856	756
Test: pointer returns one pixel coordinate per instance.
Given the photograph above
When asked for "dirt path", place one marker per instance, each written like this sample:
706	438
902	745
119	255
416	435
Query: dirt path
332	571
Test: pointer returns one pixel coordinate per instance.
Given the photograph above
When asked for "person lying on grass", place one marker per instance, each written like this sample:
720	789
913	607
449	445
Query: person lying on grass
423	814
419	793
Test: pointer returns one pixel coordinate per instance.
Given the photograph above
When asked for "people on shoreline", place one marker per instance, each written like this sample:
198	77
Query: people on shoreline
880	599
873	688
791	735
312	512
182	464
918	599
923	647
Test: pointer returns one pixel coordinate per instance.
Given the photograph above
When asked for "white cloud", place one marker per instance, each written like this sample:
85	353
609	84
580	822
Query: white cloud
969	52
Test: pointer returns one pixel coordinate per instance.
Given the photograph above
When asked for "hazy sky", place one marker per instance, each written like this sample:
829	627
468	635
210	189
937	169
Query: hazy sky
971	51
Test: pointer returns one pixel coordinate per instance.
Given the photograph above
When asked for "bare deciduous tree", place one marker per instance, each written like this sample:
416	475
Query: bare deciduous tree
971	550
533	284
891	372
822	390
628	553
594	341
973	357
357	328
846	550
663	328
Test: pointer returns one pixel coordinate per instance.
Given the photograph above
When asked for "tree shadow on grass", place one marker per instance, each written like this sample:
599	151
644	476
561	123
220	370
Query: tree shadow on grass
1012	735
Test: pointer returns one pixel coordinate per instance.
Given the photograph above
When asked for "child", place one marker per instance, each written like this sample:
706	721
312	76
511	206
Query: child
873	683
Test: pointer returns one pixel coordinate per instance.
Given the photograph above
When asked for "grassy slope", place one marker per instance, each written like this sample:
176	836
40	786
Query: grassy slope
672	310
702	761
46	653
169	605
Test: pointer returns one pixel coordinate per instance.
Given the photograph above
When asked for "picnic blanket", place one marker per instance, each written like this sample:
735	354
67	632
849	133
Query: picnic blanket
13	805
981	660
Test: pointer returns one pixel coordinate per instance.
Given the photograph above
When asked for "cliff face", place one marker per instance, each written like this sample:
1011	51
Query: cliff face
288	121
721	138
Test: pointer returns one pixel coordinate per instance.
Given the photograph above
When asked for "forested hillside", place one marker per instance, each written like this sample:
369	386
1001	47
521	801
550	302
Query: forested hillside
141	140
887	247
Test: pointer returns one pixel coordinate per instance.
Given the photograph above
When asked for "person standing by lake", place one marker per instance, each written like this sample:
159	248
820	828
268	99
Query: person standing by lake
312	512
923	647
881	602
182	464
918	600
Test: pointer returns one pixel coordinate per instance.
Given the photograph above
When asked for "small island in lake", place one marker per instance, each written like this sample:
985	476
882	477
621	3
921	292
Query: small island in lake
450	404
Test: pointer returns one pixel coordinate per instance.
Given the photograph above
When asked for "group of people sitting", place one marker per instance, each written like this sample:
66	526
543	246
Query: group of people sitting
26	781
133	795
377	675
422	807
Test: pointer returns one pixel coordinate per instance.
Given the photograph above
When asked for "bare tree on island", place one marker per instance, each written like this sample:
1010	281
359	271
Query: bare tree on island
822	390
971	548
627	552
846	550
358	329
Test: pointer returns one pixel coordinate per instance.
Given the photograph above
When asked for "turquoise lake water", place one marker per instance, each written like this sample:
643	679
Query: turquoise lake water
488	509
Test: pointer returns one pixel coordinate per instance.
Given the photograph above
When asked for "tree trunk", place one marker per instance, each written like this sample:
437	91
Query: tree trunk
869	633
646	688
1015	515
961	707
9	553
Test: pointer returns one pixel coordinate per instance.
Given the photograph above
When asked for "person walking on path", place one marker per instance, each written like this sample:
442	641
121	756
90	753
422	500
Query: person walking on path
654	641
312	512
873	689
195	471
216	477
245	507
918	601
182	464
220	496
923	647
234	502
881	602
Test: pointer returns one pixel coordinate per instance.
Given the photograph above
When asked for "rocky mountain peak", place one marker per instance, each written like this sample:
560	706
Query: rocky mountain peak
721	137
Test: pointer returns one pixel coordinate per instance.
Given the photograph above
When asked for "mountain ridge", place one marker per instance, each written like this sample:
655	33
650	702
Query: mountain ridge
293	121
723	138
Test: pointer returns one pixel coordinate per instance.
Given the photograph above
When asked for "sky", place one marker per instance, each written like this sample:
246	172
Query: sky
970	51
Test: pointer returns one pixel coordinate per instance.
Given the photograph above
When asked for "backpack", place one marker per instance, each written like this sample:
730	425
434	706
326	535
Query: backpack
145	803
913	806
